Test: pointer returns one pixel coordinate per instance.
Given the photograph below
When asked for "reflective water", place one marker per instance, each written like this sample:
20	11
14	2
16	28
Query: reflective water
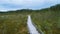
32	29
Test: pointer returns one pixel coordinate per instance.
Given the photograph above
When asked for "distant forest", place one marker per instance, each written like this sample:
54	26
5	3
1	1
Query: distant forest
52	8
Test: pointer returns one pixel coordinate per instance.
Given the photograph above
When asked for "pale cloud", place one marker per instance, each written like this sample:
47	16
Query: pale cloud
18	4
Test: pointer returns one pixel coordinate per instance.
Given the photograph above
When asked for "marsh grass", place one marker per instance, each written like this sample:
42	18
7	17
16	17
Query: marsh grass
13	24
48	21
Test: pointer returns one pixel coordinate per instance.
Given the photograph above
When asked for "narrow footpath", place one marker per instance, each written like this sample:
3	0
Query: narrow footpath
31	27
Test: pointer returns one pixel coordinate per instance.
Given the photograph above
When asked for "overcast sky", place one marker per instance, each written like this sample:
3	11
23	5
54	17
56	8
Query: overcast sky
26	4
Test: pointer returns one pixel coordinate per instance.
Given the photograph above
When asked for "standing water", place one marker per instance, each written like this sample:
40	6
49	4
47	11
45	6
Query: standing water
31	27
